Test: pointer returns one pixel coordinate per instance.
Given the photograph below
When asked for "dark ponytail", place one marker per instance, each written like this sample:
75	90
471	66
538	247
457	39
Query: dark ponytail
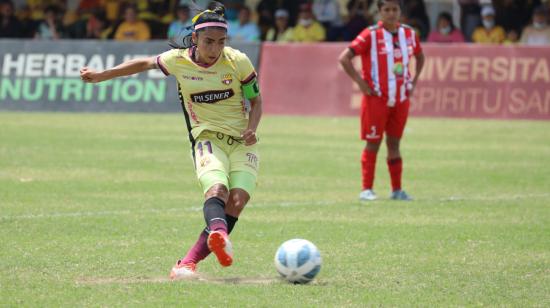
215	12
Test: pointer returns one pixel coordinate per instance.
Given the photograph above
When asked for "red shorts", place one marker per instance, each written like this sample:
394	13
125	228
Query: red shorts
377	117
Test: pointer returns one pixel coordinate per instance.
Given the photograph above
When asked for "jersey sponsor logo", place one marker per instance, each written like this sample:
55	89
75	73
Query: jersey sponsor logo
227	79
194	78
211	97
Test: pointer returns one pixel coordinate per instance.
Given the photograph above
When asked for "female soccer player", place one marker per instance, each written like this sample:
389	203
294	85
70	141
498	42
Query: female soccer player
386	50
213	81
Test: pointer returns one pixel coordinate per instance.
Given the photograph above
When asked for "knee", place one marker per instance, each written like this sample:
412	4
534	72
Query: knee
218	191
393	144
237	201
372	146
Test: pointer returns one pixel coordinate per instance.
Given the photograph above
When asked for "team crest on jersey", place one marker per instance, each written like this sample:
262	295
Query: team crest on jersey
227	79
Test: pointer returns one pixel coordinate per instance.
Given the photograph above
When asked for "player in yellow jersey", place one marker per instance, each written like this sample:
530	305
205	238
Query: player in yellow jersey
214	81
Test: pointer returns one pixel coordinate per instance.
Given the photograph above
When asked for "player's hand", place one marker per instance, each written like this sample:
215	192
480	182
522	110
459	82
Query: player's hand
411	87
90	75
249	137
366	89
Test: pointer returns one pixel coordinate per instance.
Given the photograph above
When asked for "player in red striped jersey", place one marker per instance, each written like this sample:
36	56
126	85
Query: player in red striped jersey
386	50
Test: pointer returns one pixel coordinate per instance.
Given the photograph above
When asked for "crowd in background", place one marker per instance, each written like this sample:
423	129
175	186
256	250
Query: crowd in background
482	21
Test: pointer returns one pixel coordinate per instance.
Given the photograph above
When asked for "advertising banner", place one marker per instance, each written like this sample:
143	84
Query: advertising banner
459	80
44	76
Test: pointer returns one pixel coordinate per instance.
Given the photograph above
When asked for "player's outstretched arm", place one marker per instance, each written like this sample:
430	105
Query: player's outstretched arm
125	69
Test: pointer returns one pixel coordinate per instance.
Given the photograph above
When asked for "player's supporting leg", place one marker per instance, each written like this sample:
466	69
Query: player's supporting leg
396	125
238	198
395	162
368	164
395	167
374	112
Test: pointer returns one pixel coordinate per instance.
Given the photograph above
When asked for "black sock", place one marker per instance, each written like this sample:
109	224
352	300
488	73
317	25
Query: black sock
214	214
231	221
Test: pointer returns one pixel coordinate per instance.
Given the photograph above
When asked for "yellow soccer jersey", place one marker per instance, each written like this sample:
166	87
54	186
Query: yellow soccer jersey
211	95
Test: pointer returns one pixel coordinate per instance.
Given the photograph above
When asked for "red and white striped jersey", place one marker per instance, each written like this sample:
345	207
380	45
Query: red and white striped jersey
385	57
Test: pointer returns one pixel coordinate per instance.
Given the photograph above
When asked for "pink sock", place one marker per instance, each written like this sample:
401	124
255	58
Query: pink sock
199	251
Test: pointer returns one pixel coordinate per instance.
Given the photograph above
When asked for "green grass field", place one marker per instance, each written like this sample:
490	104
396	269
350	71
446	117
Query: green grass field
96	208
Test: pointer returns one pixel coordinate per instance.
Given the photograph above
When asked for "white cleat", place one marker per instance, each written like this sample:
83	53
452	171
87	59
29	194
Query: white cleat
367	195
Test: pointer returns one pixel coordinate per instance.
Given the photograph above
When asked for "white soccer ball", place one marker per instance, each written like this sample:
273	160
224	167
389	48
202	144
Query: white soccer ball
298	261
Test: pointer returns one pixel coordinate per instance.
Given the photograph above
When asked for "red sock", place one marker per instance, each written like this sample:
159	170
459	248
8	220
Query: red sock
395	167
368	166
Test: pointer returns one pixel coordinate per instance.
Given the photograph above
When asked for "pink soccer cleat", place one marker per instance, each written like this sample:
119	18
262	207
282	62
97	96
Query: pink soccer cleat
219	244
183	270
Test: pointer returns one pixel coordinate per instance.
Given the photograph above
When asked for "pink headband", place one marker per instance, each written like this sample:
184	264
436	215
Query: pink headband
211	24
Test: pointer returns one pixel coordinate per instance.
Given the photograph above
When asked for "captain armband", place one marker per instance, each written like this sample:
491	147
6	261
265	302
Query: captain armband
251	90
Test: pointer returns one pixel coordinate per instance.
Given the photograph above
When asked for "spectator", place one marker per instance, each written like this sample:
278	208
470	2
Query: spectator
233	9
511	14
132	29
266	10
416	15
489	33
97	27
243	30
512	37
446	31
539	32
87	7
180	28
307	28
327	12
282	32
10	26
469	17
359	19
51	28
24	15
293	8
112	8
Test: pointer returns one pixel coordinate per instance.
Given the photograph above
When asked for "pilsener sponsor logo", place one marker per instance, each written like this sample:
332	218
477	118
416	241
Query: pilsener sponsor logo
211	97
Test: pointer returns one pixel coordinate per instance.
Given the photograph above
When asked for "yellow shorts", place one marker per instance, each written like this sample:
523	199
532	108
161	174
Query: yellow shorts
222	159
